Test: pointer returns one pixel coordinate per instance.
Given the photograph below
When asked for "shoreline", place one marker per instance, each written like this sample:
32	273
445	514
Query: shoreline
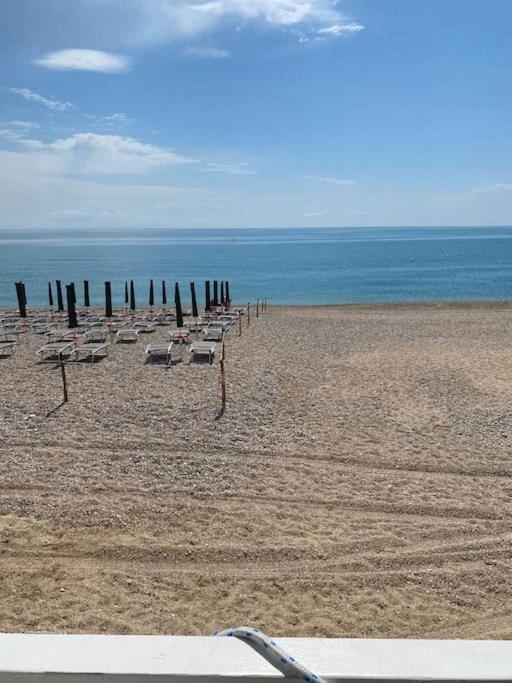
365	305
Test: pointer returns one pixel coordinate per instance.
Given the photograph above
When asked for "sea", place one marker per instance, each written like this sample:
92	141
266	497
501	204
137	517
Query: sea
285	266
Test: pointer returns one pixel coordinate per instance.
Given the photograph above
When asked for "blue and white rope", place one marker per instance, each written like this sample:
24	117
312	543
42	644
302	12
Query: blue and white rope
273	653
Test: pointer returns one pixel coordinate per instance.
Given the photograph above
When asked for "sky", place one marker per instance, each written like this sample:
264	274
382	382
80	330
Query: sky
255	113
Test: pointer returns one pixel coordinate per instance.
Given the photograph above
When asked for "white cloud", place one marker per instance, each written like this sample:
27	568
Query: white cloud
111	120
16	130
207	52
141	22
26	125
480	191
32	195
341	29
92	154
229	167
84	60
31	96
316	214
332	181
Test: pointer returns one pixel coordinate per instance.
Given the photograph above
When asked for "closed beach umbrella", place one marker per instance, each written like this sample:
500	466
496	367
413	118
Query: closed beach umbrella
60	302
164	294
20	295
132	296
195	313
87	303
215	293
125	293
151	294
50	294
108	300
228	298
207	302
70	297
222	300
177	303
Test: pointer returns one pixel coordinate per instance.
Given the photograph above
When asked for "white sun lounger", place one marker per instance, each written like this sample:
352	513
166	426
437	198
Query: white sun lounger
213	333
145	327
180	336
127	334
7	347
203	348
97	335
159	349
91	351
56	350
54	336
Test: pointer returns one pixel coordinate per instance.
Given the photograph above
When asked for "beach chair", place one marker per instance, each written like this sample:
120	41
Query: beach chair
179	336
7	348
97	335
203	349
213	333
90	351
159	350
127	335
146	327
53	351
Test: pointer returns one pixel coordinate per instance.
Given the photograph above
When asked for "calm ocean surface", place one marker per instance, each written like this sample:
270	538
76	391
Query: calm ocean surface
286	266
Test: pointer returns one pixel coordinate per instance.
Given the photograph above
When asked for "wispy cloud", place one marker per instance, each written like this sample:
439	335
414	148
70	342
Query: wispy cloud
84	60
340	29
111	120
92	154
16	130
332	181
47	102
144	22
207	52
229	167
316	214
484	190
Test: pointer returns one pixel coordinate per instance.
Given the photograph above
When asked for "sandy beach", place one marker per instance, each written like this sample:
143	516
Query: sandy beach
359	483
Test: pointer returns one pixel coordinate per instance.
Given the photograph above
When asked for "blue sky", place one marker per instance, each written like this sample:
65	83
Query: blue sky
255	113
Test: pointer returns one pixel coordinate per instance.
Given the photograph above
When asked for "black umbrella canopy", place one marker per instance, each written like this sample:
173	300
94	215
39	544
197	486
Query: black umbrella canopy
87	302
177	303
207	302
60	302
20	295
195	312
164	294
50	294
132	296
215	293
108	300
151	294
70	297
126	293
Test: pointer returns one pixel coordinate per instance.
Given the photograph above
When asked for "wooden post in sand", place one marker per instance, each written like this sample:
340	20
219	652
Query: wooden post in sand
223	377
239	325
64	382
257	307
248	314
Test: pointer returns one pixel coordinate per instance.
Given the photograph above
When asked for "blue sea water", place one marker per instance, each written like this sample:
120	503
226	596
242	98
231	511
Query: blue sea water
287	266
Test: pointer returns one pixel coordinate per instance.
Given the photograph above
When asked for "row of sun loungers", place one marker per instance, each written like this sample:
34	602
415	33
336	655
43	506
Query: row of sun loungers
89	341
66	351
